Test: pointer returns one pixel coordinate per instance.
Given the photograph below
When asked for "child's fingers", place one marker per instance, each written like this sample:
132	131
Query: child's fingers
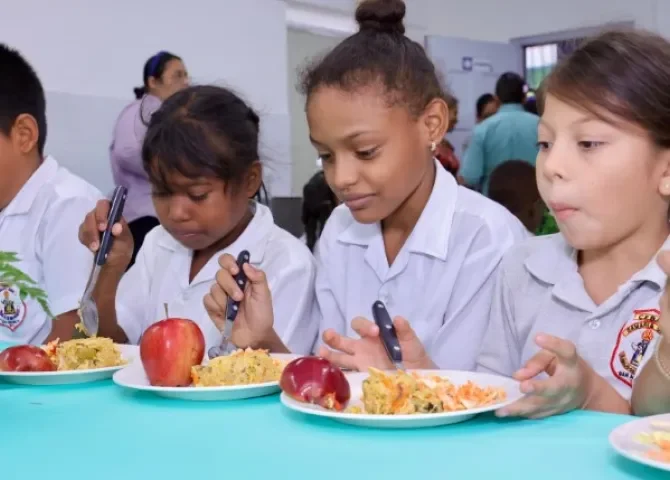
101	213
214	311
563	349
364	327
254	275
524	407
117	229
228	263
404	331
227	283
342	360
219	297
548	387
539	363
339	342
89	236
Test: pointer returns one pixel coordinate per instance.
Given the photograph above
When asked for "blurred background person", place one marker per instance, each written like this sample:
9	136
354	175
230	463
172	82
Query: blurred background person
510	133
513	185
163	75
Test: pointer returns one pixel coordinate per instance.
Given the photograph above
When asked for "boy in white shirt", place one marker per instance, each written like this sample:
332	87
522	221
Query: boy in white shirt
41	205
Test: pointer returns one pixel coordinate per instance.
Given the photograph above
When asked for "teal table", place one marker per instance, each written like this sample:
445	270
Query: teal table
101	431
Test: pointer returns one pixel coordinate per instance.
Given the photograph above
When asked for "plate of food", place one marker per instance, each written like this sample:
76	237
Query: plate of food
61	363
173	365
242	374
645	440
392	399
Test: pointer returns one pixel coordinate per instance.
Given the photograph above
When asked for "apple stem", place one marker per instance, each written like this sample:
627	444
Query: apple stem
165	306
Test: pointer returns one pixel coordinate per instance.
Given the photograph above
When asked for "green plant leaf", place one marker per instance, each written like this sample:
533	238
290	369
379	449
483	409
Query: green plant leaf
10	275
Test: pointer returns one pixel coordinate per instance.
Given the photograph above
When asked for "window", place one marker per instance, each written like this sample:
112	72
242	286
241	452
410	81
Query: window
540	59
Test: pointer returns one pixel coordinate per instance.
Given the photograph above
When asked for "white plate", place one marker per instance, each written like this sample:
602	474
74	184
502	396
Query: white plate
419	420
623	440
69	377
133	377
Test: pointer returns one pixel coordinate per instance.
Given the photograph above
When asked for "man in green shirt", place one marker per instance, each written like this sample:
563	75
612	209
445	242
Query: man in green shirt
510	134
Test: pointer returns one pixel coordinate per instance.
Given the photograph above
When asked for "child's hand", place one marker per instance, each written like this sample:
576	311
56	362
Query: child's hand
94	224
368	351
254	320
568	387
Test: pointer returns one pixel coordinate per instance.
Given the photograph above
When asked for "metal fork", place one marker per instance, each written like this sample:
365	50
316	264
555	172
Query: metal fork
88	311
227	347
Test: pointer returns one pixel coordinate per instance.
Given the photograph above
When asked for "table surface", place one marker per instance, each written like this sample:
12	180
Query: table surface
99	430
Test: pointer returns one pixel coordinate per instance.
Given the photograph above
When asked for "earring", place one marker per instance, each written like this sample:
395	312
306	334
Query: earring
433	146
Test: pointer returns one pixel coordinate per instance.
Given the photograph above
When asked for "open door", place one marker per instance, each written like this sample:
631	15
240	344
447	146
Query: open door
471	68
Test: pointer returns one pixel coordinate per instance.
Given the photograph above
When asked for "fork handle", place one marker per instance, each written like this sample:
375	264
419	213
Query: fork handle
115	212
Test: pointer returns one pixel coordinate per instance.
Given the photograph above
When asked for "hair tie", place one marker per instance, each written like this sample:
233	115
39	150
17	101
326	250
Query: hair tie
154	63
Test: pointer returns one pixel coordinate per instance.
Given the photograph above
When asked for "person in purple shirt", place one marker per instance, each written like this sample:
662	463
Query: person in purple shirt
164	74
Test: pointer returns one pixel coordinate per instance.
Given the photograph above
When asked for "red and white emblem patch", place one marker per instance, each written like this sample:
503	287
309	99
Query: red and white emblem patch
12	308
633	343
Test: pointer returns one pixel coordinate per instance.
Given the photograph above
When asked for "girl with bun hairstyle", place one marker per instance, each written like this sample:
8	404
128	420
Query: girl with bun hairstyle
405	233
164	74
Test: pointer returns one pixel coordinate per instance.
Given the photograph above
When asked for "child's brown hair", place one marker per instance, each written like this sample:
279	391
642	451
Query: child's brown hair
619	75
513	185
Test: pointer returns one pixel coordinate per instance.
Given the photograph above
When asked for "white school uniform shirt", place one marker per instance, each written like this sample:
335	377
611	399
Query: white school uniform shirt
441	280
539	290
160	276
41	225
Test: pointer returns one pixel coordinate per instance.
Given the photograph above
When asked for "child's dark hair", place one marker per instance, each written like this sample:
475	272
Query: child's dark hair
21	93
381	54
201	131
154	67
513	185
510	88
482	102
618	75
318	202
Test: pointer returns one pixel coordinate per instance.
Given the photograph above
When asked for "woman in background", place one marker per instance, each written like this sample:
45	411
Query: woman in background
164	74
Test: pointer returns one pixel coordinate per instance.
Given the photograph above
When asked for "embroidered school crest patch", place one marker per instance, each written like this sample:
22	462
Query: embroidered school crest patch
12	308
633	343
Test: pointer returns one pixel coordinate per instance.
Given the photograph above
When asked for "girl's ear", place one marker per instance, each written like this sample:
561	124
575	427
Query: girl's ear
153	83
435	120
254	179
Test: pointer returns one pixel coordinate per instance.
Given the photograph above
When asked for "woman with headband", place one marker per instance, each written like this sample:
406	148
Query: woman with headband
163	75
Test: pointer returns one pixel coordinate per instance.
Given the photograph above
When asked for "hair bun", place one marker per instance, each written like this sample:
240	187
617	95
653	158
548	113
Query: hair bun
381	16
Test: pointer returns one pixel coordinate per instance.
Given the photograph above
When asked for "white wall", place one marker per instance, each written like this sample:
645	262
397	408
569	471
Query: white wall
499	21
301	46
90	55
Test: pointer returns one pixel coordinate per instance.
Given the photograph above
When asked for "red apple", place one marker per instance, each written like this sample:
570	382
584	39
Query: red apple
25	358
316	380
169	349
